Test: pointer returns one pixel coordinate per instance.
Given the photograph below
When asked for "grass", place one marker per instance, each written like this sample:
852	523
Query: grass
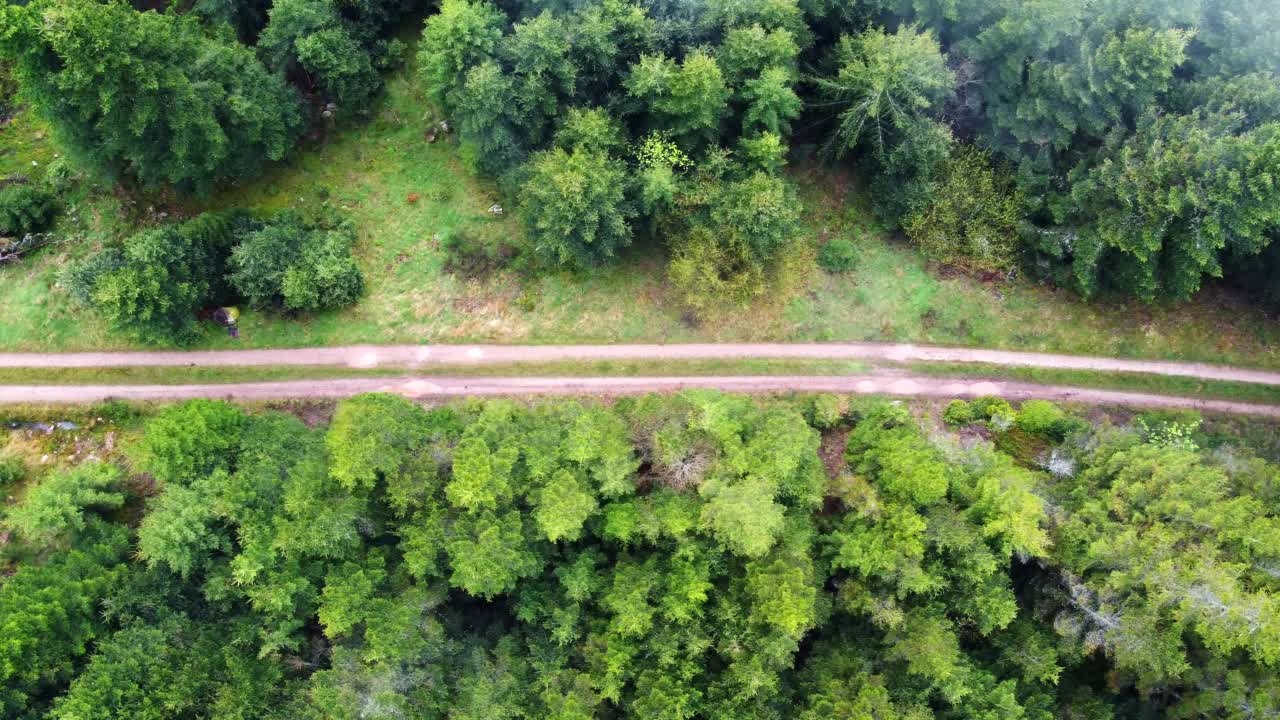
615	368
1126	382
372	166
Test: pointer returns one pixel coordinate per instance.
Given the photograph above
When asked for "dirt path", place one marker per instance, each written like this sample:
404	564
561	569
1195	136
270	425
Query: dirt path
442	387
417	356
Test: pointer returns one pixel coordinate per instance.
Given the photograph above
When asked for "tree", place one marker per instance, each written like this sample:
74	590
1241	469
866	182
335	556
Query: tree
460	36
166	275
311	37
886	87
189	441
1172	197
173	668
771	102
543	74
487	118
688	99
123	96
49	615
748	52
57	505
297	265
575	207
888	91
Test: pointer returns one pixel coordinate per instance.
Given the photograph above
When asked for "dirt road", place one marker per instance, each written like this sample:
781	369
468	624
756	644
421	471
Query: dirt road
443	387
417	356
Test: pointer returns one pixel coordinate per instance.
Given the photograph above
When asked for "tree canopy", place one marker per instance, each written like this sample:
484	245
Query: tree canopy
693	556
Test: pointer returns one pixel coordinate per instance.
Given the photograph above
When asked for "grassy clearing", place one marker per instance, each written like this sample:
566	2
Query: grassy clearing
372	167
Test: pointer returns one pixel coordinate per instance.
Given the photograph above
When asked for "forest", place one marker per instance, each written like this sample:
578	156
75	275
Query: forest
1126	148
692	556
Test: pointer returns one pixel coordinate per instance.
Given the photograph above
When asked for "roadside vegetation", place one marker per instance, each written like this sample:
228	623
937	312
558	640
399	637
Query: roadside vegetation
699	555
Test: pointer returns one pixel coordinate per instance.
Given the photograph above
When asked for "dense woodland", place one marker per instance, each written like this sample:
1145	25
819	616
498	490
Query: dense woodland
1127	147
691	556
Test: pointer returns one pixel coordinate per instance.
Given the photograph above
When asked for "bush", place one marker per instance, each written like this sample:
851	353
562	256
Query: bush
164	276
26	209
972	217
839	255
825	411
474	250
297	265
958	412
986	407
12	470
1043	418
81	278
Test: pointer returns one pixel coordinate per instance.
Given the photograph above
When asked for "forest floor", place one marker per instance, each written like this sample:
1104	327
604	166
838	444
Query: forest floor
407	195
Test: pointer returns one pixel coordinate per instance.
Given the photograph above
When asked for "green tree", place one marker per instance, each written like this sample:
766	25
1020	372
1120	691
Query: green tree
49	615
689	99
314	38
457	38
297	265
174	668
188	441
166	275
123	96
888	91
56	506
575	208
1171	197
771	102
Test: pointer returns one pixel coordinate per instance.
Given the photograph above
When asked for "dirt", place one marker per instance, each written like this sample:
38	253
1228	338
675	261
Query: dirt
427	388
832	451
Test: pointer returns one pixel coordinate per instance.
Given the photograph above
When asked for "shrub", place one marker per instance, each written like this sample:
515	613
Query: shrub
81	278
1043	418
825	411
958	412
972	217
165	275
295	264
26	209
474	250
1019	444
12	470
986	407
839	255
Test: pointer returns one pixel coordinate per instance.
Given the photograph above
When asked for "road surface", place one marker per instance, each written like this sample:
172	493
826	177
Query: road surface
418	356
444	387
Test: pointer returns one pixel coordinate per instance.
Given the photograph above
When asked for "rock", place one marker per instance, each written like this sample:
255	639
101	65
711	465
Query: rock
495	209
